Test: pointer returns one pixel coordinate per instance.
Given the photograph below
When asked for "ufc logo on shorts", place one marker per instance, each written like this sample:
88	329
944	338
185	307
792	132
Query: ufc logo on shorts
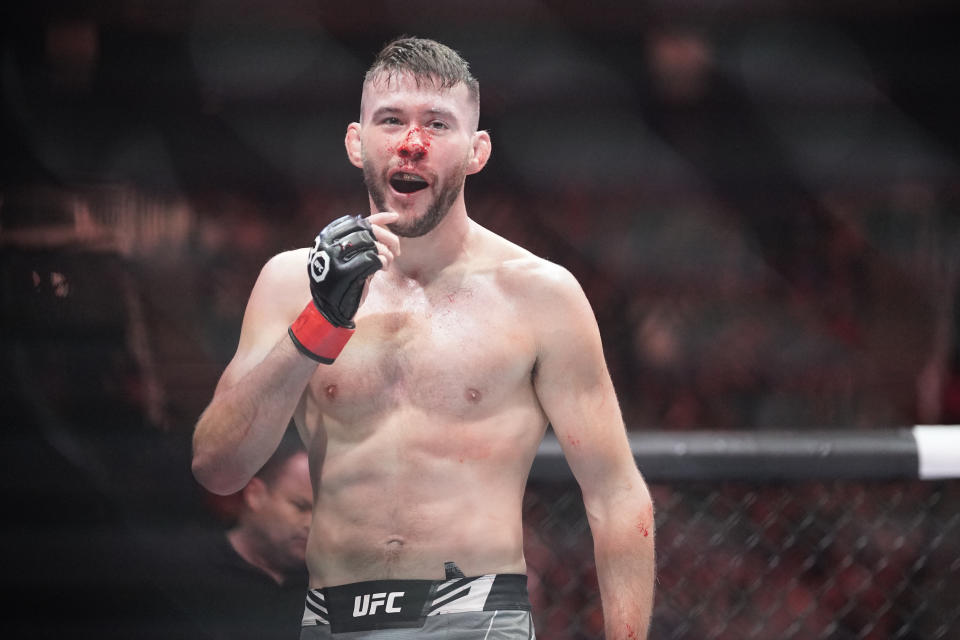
367	605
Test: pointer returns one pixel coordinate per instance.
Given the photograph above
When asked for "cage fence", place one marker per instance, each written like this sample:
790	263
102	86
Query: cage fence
822	558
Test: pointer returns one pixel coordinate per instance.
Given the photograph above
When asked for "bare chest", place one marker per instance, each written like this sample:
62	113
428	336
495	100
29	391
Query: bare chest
458	354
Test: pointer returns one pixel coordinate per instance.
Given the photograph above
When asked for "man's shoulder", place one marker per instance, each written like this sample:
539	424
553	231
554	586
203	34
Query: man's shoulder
521	265
531	271
533	280
288	262
285	269
280	291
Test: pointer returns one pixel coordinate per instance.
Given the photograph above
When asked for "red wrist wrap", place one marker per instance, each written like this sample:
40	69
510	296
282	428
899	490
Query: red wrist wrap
315	337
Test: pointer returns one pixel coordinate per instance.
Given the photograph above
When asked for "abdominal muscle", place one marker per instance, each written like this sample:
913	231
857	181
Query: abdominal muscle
413	494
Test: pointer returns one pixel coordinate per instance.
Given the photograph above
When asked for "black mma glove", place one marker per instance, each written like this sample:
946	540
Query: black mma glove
343	257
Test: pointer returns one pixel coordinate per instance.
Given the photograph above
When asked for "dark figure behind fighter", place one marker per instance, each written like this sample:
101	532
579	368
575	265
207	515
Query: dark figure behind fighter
247	583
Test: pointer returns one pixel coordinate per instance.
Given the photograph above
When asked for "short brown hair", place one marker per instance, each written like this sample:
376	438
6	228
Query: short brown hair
424	59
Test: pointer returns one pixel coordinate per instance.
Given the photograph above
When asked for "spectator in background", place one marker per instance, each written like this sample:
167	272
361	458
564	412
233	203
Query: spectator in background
249	581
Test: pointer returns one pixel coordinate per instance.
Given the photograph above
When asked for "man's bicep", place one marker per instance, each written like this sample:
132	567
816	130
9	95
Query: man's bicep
274	302
575	390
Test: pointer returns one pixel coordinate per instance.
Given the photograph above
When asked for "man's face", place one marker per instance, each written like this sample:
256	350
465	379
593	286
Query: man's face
416	146
285	511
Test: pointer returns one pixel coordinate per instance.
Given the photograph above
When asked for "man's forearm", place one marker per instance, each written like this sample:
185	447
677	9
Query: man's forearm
624	553
244	423
626	589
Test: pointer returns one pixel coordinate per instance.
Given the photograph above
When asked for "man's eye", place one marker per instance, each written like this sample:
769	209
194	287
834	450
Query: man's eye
391	120
436	124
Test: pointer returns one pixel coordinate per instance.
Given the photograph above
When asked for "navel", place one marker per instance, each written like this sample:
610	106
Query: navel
393	548
473	396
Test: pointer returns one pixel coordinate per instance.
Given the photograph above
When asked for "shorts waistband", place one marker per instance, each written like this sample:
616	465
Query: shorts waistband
391	604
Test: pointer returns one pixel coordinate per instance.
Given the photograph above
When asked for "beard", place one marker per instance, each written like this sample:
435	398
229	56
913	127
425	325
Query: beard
437	209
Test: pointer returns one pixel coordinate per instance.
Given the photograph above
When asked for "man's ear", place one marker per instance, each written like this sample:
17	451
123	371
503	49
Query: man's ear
254	494
354	145
480	153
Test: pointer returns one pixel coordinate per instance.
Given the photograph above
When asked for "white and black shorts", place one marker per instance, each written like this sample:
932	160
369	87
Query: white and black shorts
488	607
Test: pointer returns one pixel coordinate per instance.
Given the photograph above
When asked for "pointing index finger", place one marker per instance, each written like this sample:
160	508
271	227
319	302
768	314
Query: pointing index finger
379	222
383	217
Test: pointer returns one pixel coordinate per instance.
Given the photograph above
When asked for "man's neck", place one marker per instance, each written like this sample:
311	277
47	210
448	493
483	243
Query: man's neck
246	547
424	258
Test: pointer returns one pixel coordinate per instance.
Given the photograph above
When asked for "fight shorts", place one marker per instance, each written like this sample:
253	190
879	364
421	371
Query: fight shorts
489	607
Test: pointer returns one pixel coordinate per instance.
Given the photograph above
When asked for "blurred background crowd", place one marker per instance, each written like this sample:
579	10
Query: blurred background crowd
761	200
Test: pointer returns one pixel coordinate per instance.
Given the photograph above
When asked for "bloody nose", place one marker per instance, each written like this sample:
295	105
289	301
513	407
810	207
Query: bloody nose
413	147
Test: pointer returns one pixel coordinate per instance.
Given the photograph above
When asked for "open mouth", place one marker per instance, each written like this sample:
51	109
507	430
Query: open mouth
407	182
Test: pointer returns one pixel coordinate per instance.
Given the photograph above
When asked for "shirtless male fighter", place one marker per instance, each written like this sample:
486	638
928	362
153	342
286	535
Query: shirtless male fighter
422	374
